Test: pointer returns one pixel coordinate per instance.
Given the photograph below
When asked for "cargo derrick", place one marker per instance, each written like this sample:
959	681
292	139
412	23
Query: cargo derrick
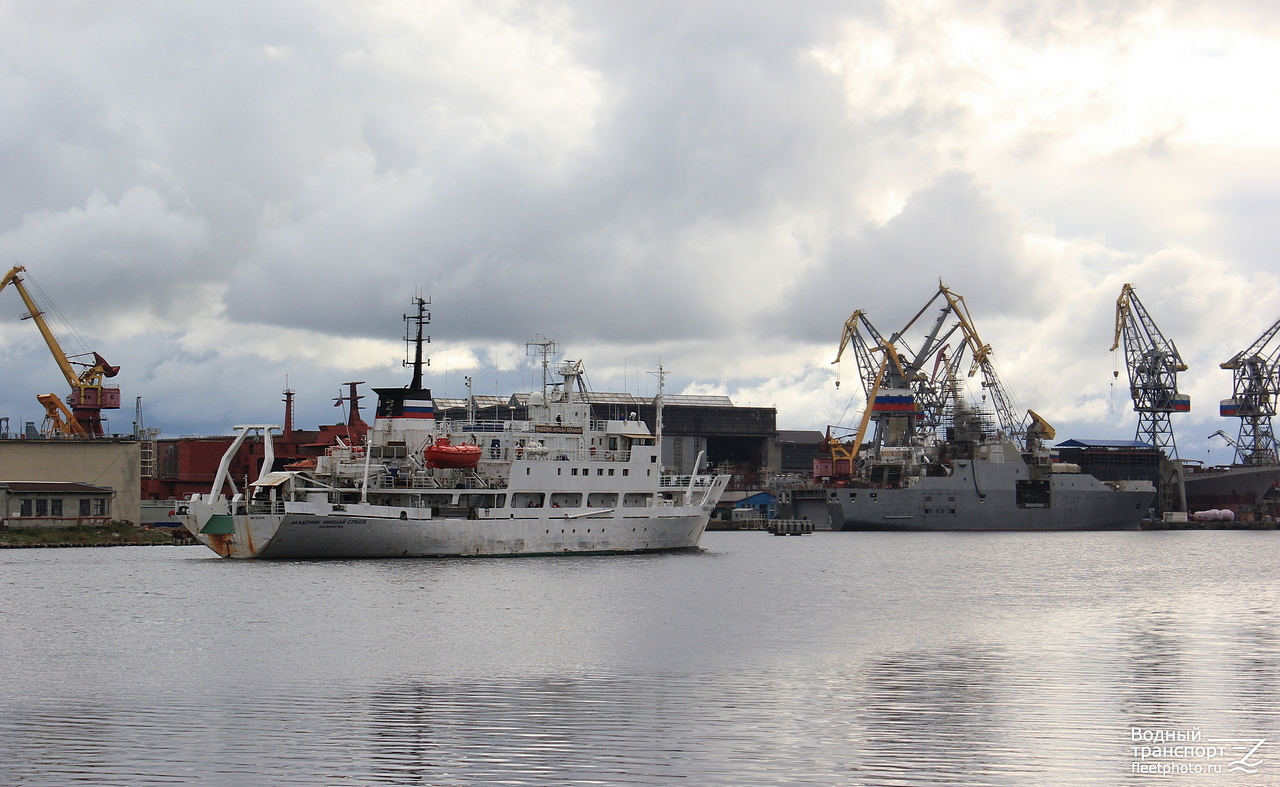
1153	364
1255	374
81	415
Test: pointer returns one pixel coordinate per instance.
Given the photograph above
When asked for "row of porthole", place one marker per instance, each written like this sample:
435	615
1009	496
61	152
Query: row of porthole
589	530
587	471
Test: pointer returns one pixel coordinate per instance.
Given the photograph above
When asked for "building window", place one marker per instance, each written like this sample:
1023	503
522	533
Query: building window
55	507
99	507
84	506
26	507
42	507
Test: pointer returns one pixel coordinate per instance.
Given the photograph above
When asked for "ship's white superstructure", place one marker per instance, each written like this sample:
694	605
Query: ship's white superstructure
557	482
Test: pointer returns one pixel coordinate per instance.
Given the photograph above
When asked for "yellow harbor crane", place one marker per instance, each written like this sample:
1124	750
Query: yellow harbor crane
904	400
80	415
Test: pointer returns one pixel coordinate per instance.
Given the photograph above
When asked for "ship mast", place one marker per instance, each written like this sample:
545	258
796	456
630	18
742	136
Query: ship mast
546	348
657	407
423	317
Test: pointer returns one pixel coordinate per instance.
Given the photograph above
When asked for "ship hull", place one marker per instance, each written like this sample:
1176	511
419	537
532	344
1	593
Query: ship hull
986	496
1232	486
307	536
1086	514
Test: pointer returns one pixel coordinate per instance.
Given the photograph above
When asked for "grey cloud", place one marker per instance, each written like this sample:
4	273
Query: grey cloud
667	174
955	231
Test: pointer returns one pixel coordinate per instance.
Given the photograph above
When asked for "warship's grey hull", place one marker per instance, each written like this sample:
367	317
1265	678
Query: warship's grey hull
1220	487
985	495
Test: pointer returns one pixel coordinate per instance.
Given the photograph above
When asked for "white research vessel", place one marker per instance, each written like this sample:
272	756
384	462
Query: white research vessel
557	482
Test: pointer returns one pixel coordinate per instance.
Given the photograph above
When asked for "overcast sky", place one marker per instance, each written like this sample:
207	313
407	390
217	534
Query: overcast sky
218	196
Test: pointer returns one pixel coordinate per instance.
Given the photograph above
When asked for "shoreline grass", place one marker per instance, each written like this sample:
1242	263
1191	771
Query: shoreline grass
114	534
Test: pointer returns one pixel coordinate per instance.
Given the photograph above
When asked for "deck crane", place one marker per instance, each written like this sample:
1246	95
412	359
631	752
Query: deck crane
1153	363
1255	374
80	415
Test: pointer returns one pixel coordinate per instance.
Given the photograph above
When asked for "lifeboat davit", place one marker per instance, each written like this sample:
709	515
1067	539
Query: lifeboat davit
442	453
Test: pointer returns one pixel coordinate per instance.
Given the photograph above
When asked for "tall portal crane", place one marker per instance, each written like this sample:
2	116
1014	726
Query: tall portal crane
905	399
89	396
1255	374
1153	363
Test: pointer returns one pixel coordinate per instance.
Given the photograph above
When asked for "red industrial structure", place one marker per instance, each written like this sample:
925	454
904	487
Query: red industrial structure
184	465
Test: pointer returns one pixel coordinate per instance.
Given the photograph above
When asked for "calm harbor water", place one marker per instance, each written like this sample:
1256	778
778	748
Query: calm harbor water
832	659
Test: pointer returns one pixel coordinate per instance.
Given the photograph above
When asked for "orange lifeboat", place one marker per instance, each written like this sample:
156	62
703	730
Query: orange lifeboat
442	453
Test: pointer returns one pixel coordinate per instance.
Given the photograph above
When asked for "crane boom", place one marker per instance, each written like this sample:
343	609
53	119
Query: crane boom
863	350
58	420
88	394
981	354
36	314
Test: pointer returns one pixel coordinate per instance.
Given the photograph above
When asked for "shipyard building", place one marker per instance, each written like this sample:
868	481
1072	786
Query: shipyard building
736	440
64	482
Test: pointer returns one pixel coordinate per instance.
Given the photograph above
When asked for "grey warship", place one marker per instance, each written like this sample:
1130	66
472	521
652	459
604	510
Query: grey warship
926	458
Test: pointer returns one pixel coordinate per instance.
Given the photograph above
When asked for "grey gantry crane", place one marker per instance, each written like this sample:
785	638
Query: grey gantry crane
1255	376
1153	363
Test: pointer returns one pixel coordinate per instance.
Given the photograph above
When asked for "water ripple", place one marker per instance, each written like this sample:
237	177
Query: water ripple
870	661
